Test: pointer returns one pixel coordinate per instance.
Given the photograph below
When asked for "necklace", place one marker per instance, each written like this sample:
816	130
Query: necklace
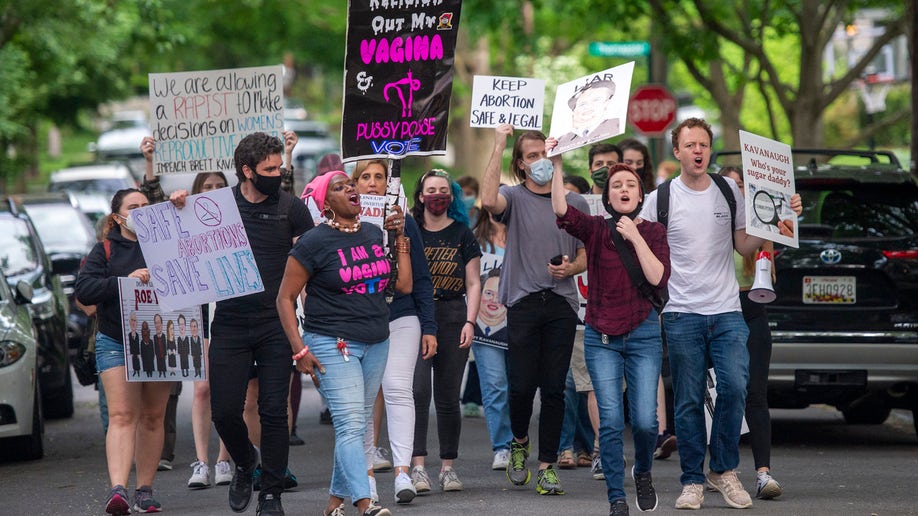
344	227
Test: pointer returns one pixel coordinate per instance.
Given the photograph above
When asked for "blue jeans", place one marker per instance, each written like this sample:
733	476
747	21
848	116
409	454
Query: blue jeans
634	357
692	339
576	430
349	388
492	376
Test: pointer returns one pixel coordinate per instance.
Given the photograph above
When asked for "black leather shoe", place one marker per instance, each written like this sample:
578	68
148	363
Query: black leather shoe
240	489
269	505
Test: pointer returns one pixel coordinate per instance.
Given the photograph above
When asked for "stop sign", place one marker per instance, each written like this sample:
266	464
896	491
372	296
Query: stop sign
651	109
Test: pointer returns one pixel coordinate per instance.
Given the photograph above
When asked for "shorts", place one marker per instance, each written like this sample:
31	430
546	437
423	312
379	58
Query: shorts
579	371
109	353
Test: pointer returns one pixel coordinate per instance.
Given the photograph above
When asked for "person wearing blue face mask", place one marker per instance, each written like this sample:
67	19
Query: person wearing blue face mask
538	289
470	187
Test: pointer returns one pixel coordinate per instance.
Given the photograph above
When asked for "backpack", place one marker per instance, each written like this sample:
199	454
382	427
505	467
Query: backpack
663	200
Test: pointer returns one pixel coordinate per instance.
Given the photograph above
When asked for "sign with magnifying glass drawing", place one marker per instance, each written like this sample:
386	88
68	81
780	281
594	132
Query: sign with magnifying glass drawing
768	173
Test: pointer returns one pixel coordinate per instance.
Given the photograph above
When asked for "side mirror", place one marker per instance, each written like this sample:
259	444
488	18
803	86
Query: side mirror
24	292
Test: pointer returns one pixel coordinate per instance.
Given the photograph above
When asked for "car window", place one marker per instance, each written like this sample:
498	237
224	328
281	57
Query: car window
862	210
17	255
60	226
89	185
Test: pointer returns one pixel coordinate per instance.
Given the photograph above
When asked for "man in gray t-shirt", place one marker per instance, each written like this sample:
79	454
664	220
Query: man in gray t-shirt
537	286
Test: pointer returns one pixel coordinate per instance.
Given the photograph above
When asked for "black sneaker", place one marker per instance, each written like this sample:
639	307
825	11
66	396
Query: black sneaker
256	478
325	417
618	508
240	488
269	505
666	445
296	440
375	510
517	471
290	480
646	498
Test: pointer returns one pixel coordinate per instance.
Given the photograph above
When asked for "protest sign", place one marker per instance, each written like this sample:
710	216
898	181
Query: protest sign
517	101
591	108
768	173
159	346
372	208
199	117
398	74
491	325
198	254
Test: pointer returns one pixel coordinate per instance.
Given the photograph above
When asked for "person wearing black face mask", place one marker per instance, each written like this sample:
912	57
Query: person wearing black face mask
622	334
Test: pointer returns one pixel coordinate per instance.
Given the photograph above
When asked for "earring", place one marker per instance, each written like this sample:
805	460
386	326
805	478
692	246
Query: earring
333	214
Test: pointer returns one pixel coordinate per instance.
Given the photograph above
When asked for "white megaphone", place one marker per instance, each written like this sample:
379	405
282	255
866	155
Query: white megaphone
762	290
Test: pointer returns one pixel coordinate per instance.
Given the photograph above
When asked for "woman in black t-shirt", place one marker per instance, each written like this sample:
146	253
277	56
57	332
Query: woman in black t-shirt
454	259
345	270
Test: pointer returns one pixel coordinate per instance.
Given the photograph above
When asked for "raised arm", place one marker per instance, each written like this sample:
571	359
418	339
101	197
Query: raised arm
491	199
558	192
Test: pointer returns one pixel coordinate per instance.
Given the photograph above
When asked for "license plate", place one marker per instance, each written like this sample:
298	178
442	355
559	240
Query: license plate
829	290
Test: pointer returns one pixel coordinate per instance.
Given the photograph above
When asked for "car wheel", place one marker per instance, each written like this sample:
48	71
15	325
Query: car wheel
30	447
866	413
60	404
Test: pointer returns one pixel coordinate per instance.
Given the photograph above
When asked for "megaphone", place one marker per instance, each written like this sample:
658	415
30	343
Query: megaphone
762	290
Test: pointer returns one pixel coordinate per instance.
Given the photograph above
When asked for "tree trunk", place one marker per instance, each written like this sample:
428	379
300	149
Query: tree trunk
470	146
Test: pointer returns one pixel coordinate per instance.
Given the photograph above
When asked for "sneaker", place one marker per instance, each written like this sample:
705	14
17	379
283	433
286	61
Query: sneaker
381	461
374	495
596	468
548	482
375	510
766	487
144	501
420	480
200	476
117	504
731	488
164	465
501	459
290	480
337	511
646	498
240	488
296	440
256	478
618	508
691	498
223	473
269	505
471	410
666	445
449	481
517	471
404	488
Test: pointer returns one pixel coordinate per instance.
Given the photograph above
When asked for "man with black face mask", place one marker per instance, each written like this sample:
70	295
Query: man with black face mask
246	330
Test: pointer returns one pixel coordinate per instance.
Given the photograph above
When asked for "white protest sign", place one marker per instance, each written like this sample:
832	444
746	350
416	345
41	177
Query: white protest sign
591	108
768	173
159	346
199	117
518	101
198	254
372	208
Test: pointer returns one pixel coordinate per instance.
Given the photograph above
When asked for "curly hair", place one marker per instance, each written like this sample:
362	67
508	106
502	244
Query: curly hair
253	149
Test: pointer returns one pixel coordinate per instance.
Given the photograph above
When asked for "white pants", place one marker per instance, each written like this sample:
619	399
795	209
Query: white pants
397	383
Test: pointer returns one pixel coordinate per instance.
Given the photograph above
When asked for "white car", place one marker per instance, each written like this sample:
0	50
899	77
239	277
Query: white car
93	186
21	422
122	139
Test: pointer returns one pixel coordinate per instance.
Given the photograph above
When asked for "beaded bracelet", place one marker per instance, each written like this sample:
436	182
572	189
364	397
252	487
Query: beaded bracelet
403	247
302	353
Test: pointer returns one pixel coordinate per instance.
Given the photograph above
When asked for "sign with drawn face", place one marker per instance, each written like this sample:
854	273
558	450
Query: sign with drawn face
398	77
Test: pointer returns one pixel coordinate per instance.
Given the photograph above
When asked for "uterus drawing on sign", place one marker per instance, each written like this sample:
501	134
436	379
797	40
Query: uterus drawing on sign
411	84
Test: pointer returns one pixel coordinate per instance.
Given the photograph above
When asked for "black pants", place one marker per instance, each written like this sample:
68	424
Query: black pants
447	367
233	348
169	427
757	416
541	329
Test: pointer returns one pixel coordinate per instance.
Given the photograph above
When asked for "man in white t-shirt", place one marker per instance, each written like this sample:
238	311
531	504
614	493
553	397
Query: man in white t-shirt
703	318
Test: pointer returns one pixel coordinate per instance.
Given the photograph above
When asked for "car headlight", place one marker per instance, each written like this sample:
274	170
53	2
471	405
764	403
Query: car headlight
10	353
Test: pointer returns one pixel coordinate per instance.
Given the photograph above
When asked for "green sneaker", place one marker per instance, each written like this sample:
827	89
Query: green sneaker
548	483
517	472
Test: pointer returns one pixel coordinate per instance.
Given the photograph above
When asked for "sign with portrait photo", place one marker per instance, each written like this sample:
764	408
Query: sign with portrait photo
768	174
491	324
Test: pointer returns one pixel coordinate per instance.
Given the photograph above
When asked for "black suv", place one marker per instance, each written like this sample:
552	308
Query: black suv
23	258
845	321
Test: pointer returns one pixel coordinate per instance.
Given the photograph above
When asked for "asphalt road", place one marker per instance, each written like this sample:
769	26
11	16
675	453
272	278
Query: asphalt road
826	467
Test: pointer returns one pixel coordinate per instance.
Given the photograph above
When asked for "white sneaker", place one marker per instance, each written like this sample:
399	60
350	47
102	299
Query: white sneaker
420	479
381	461
449	481
501	460
404	488
374	496
200	477
691	498
766	487
223	473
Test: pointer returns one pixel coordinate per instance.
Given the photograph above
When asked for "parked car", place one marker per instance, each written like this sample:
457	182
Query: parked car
845	321
121	141
314	142
23	258
93	185
22	427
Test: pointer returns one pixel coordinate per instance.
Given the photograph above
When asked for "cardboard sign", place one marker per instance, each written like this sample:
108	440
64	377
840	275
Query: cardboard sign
398	74
491	325
372	208
768	173
198	254
159	346
199	117
517	101
591	108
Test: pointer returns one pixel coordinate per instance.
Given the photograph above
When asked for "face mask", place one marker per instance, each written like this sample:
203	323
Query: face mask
436	204
541	171
128	223
267	185
468	201
600	176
